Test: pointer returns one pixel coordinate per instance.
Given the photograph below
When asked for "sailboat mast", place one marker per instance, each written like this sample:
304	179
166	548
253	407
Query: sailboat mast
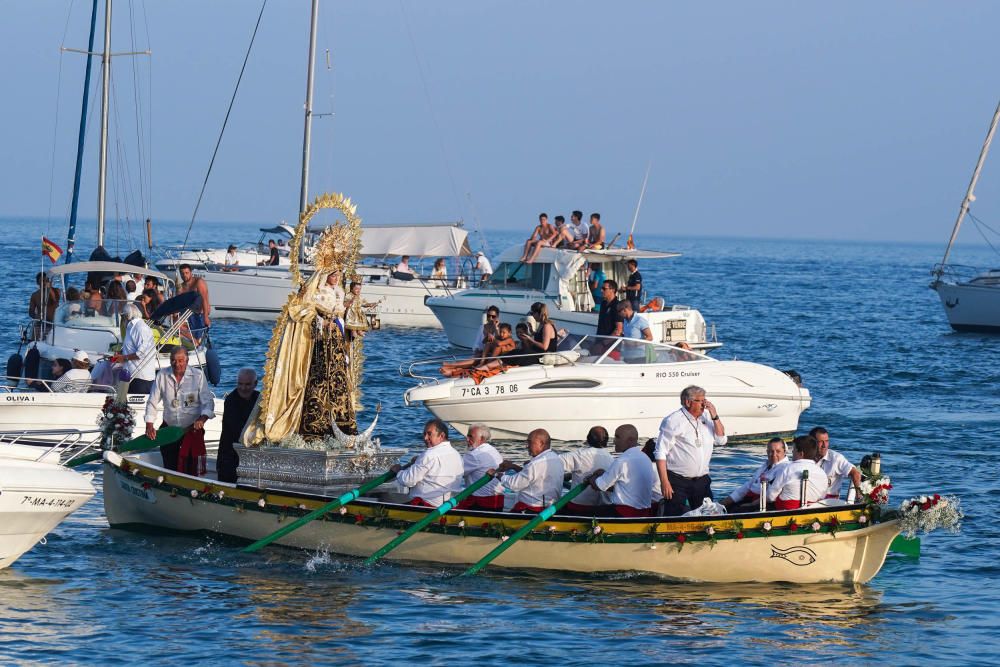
307	134
102	174
969	195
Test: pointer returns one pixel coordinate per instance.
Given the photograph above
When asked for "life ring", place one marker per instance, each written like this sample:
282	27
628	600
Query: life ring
656	304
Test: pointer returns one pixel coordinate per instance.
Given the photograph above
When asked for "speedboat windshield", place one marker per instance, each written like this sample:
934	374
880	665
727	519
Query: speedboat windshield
613	350
520	275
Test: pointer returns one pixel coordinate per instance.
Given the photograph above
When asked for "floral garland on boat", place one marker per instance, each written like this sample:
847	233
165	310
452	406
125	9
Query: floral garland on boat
116	422
926	513
875	489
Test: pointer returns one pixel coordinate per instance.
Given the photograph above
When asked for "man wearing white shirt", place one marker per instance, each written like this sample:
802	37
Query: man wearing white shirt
484	268
749	492
579	229
630	478
579	463
436	474
539	483
684	449
834	464
138	351
186	401
786	490
480	459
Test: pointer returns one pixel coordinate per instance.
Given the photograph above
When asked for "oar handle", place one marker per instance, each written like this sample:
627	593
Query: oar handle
317	513
440	511
542	517
140	444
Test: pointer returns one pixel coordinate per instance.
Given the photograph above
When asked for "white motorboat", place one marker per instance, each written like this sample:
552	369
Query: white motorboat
612	381
36	494
558	278
970	296
258	293
247	254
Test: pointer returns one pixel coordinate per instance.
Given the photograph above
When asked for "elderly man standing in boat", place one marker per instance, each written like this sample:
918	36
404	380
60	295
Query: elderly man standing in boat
539	482
436	474
629	479
238	406
187	403
834	464
580	463
480	459
684	449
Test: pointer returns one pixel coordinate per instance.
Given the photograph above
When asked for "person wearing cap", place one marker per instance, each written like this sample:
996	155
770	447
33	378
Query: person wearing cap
629	479
484	267
747	496
579	463
539	482
786	489
77	378
232	260
138	351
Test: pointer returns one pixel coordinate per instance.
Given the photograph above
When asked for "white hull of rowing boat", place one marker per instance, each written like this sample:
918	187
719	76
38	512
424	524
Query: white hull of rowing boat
853	556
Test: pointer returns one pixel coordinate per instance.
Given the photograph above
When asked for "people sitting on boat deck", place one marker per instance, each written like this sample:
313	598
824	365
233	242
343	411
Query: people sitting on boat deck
231	262
138	351
684	449
629	479
539	482
238	406
200	321
633	288
786	489
546	337
186	401
834	464
488	332
484	268
563	236
274	257
42	304
487	361
435	475
541	237
580	463
402	271
481	458
77	377
595	281
596	236
579	230
746	498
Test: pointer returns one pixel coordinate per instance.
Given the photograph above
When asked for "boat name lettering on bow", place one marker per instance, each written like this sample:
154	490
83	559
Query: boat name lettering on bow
41	501
678	374
137	491
487	390
18	398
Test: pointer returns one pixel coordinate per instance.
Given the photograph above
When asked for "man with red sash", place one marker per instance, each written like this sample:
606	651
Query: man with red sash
539	482
481	457
630	478
436	474
748	494
786	490
834	464
579	464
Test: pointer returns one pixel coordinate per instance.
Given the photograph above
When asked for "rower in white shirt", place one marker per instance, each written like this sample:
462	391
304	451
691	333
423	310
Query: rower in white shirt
834	464
539	482
435	475
748	494
786	490
630	478
480	459
579	463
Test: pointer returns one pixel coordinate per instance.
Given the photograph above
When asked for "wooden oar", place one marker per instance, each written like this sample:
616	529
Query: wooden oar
443	509
164	436
542	517
317	513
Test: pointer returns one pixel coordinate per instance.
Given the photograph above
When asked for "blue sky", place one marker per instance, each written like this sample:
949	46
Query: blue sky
768	119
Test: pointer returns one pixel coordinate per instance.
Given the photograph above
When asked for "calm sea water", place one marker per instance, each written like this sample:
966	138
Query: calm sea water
856	320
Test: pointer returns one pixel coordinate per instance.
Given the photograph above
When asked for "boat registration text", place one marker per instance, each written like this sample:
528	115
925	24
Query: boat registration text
489	390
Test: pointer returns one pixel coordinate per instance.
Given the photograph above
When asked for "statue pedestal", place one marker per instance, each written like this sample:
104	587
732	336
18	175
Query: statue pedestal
311	471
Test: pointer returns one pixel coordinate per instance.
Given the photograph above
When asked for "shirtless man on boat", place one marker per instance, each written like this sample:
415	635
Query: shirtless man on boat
541	237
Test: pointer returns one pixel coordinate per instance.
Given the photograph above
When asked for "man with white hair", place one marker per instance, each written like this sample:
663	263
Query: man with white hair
186	400
138	351
238	406
481	458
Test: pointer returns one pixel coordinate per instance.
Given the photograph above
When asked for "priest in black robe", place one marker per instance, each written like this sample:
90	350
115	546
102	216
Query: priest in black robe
238	406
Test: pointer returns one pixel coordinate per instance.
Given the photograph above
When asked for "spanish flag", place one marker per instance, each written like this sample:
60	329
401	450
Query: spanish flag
51	250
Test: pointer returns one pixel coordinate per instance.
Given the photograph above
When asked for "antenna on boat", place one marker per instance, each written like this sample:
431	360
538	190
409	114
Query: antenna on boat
638	205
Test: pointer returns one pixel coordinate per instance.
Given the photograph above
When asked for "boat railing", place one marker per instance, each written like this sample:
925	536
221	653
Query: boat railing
13	381
416	369
70	443
955	273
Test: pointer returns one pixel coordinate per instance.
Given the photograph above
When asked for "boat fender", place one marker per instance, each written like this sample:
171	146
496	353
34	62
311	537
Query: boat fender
15	364
213	368
32	361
